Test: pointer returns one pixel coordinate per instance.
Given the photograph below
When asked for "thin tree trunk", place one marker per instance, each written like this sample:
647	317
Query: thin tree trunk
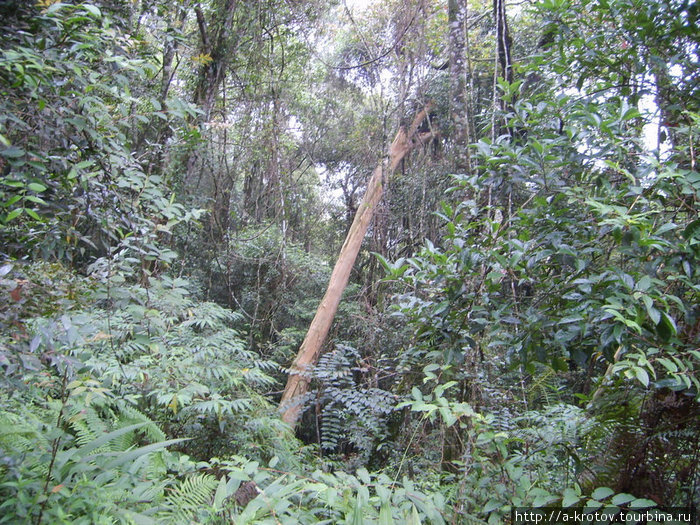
457	16
220	47
301	369
504	57
504	40
169	51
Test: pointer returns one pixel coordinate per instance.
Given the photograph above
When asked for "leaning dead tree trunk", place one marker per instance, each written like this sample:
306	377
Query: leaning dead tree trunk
300	371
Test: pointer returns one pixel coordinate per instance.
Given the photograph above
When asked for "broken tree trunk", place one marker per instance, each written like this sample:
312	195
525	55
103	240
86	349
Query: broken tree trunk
300	371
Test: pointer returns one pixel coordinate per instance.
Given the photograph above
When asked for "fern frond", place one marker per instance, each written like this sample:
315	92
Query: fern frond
129	414
185	500
19	435
543	390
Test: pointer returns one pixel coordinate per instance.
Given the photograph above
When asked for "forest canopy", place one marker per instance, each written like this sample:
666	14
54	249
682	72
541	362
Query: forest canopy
518	324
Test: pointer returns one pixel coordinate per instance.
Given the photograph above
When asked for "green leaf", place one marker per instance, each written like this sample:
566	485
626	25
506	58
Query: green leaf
382	260
621	499
602	493
53	8
543	500
35	186
570	498
93	10
691	230
385	516
84	164
221	494
415	518
492	504
665	227
631	113
642	375
668	364
35	199
14	214
136	518
32	214
357	518
643	284
13	152
106	438
13	200
666	327
641	503
653	313
128	457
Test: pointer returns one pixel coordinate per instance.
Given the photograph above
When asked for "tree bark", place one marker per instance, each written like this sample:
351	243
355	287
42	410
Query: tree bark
301	369
169	51
456	19
504	39
220	47
504	59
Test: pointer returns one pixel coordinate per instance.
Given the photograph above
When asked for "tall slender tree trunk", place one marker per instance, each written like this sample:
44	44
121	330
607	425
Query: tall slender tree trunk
457	17
169	50
300	372
504	39
220	47
504	56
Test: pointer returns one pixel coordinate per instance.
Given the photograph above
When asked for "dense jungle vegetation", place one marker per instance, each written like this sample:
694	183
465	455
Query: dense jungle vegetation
522	322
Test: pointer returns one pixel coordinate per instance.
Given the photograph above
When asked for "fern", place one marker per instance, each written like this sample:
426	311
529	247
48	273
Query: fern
543	388
349	411
188	498
128	414
19	434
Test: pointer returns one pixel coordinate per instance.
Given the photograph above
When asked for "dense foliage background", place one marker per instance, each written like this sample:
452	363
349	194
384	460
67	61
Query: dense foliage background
522	326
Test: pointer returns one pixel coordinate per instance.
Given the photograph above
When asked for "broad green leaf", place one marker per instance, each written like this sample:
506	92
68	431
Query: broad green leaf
666	328
385	515
415	517
35	199
127	457
621	499
492	504
602	493
53	8
35	186
668	364
32	214
221	494
14	214
106	438
641	503
93	10
13	200
357	511
570	498
653	313
13	152
642	375
692	229
643	284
